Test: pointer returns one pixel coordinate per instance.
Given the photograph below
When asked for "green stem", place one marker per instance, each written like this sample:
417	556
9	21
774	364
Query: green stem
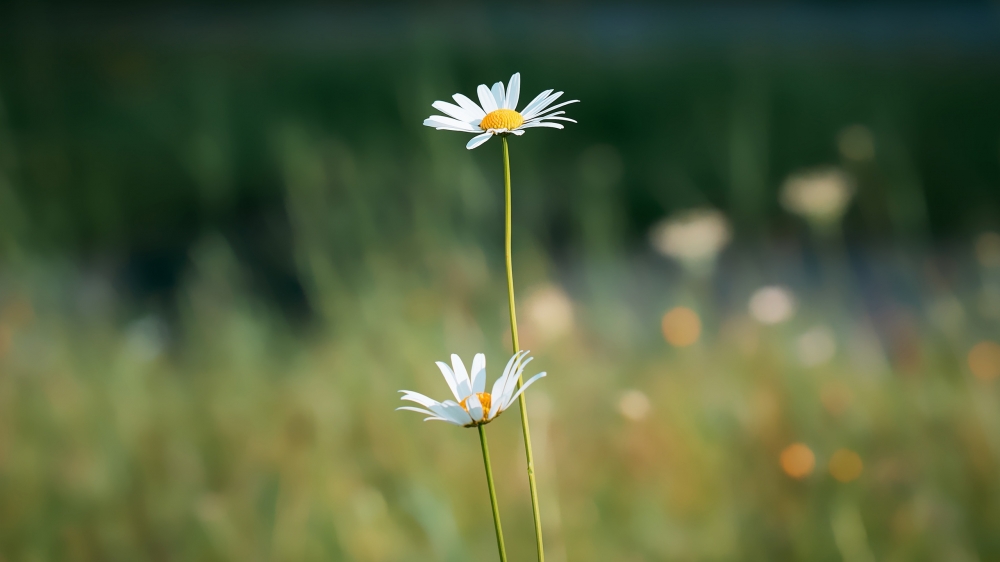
493	494
520	380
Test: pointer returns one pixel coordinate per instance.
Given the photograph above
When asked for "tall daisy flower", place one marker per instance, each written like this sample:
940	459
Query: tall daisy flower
473	406
497	114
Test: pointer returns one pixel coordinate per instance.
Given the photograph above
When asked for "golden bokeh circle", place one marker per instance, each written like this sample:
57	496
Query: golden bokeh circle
984	360
845	465
798	460
681	326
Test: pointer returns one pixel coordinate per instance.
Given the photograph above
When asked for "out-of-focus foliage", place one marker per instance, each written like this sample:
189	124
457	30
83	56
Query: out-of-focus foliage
224	246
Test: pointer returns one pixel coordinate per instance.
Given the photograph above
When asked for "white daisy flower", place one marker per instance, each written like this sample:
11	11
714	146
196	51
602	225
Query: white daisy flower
496	113
472	405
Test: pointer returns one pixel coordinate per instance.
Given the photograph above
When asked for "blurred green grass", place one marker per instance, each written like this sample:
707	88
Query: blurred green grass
167	217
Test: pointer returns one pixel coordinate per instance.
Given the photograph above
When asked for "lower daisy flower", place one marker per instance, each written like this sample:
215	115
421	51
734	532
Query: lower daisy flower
473	406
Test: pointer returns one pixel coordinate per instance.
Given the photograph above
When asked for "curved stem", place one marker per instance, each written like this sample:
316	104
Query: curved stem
493	494
520	381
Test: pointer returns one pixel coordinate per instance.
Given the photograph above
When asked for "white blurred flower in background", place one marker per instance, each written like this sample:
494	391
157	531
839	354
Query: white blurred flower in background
816	346
634	405
772	305
549	313
694	237
820	195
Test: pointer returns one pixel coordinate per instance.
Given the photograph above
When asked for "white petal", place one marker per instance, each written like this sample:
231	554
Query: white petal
440	127
478	140
499	95
475	407
517	132
470	106
486	98
495	405
515	361
441	121
418	398
540	112
543	117
449	377
453	411
513	91
541	124
530	112
556	118
446	411
435	418
450	129
498	385
515	379
535	101
412	409
479	373
438	408
522	389
505	384
454	111
461	377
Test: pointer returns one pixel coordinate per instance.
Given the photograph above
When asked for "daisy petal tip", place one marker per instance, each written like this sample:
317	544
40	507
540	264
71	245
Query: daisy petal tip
478	140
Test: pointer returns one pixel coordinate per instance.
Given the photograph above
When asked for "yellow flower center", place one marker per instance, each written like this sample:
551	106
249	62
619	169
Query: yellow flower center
501	119
485	399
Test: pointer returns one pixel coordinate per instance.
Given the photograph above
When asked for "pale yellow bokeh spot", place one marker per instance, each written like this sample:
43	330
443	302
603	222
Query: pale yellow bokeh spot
856	142
845	465
634	405
798	460
984	360
681	326
988	249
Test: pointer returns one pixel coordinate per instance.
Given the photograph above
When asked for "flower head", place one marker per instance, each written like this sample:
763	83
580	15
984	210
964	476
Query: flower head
472	405
496	113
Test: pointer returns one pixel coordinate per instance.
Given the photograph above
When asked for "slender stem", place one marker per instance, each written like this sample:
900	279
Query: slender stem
520	380
493	494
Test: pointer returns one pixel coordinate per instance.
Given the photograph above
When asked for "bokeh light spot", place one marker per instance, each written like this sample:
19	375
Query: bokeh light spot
988	249
634	405
984	360
820	195
836	397
549	312
798	460
856	142
692	236
772	305
816	346
681	326
845	465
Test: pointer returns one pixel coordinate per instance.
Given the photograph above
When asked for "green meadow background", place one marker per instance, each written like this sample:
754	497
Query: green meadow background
226	242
